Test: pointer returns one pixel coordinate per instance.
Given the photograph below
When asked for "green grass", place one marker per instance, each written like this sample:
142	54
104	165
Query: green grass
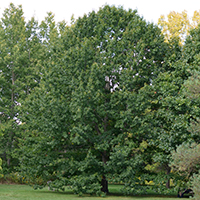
23	192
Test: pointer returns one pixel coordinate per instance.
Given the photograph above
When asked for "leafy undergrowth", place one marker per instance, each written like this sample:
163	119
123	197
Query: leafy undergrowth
24	192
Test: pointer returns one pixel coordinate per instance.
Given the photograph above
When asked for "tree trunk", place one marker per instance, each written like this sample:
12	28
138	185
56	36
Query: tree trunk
168	181
104	157
8	162
104	184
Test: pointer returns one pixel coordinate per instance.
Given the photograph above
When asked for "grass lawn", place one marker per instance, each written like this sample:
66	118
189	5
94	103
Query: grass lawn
23	192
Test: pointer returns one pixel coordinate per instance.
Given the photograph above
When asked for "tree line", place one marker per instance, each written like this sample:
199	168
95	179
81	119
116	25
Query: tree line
106	96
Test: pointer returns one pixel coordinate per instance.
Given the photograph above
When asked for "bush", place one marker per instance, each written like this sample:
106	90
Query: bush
195	183
12	178
186	159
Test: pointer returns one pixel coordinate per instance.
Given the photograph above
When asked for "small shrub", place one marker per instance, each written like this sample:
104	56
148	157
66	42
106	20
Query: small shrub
195	182
186	159
11	178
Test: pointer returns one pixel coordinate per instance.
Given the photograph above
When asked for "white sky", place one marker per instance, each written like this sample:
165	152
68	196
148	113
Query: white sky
63	9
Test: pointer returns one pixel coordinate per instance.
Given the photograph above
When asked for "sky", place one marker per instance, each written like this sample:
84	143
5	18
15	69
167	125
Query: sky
63	9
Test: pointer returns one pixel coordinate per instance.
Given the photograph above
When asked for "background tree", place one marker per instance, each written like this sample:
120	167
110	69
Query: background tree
181	161
178	25
45	115
175	113
20	55
164	111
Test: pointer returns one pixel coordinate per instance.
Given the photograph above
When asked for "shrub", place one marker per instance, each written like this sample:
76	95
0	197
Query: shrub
12	178
195	183
186	159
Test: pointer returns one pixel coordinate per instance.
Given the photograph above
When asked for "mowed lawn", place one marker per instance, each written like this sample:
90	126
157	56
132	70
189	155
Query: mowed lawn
23	192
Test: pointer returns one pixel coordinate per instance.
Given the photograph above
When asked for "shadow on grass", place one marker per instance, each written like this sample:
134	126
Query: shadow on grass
115	195
110	194
142	195
114	192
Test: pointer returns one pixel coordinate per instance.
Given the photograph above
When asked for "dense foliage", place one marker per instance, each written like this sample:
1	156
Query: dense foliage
103	97
21	55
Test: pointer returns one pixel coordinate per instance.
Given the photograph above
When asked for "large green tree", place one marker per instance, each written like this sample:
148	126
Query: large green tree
77	119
